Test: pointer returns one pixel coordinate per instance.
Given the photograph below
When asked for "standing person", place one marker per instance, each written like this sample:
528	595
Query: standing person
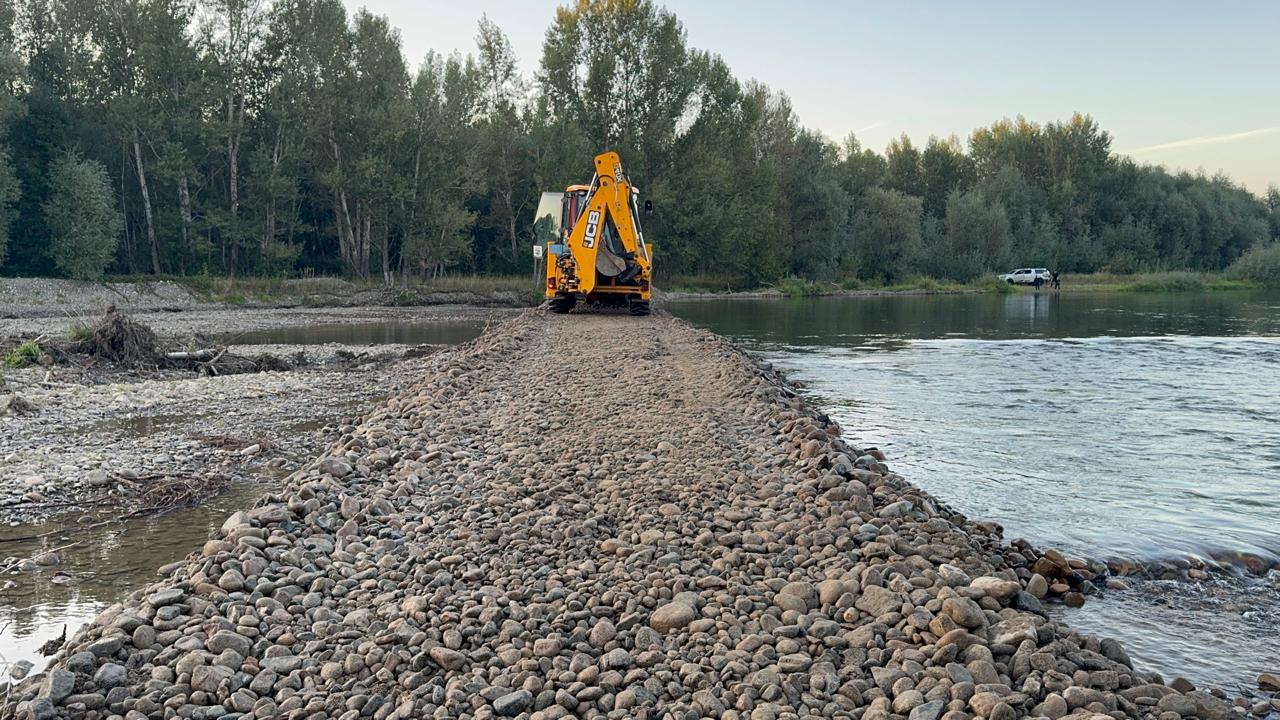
1057	284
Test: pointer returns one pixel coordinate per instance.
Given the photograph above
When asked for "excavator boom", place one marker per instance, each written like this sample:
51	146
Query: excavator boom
602	256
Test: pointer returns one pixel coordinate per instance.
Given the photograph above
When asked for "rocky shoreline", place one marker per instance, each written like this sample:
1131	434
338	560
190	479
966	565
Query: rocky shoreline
224	321
79	445
600	516
60	299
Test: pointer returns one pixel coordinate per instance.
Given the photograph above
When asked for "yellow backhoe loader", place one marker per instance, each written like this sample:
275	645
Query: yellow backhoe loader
598	254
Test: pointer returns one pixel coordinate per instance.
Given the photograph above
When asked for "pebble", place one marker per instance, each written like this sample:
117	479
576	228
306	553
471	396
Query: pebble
513	704
672	616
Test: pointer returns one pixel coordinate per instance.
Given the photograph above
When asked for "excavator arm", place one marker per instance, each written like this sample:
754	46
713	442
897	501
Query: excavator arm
606	240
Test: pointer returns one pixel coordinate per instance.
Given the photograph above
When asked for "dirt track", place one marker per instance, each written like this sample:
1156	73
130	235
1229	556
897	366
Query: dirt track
597	516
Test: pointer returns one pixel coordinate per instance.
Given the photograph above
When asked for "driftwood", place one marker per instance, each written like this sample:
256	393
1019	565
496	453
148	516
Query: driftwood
118	339
148	496
218	361
180	355
121	339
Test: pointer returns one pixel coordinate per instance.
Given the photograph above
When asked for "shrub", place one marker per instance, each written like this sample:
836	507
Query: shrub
990	284
80	332
799	287
1261	264
28	353
1167	282
84	225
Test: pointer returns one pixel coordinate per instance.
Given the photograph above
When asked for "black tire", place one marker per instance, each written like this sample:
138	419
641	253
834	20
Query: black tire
638	307
561	304
1010	281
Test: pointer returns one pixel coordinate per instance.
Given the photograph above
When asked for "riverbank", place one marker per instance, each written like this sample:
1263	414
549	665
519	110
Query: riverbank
58	298
83	433
1158	282
673	532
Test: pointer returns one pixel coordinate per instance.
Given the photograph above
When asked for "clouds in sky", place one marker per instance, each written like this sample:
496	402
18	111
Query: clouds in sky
1208	140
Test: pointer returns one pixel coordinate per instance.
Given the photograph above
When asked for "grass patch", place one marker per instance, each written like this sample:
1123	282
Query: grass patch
80	332
479	283
795	287
1156	282
995	286
697	284
1174	282
27	353
931	285
1166	282
240	290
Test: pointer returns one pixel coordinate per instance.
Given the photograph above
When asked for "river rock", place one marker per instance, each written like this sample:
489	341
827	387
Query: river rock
513	704
995	587
448	659
58	684
335	467
227	640
672	616
209	677
964	612
877	601
106	647
110	675
38	709
1181	704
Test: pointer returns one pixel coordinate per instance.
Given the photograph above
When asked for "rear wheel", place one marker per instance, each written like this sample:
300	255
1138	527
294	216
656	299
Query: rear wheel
638	307
562	303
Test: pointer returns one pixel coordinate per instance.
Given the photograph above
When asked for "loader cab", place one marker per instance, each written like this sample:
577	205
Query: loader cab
575	198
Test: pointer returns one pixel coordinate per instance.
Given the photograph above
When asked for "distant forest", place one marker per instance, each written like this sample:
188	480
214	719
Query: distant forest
249	137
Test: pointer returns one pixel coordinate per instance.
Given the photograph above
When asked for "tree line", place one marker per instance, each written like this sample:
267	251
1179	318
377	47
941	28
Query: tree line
287	137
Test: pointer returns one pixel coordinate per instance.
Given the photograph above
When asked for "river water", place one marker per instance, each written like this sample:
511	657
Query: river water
1136	426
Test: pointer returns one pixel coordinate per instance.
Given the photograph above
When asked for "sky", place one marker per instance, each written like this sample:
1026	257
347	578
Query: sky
1187	85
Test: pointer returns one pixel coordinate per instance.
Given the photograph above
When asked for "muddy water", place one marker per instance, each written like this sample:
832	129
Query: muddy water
1144	427
99	566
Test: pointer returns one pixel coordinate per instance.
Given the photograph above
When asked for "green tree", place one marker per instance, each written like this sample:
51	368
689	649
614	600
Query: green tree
944	167
860	169
506	150
10	108
905	172
445	171
620	69
232	34
83	222
1272	201
977	236
887	233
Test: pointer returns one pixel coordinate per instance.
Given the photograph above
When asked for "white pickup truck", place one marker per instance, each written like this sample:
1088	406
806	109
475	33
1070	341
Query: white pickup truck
1028	276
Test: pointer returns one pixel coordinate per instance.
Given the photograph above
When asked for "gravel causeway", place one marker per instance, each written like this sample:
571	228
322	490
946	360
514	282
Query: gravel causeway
598	516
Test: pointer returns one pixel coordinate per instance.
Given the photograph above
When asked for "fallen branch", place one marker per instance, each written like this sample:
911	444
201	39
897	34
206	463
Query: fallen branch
172	493
15	562
205	354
